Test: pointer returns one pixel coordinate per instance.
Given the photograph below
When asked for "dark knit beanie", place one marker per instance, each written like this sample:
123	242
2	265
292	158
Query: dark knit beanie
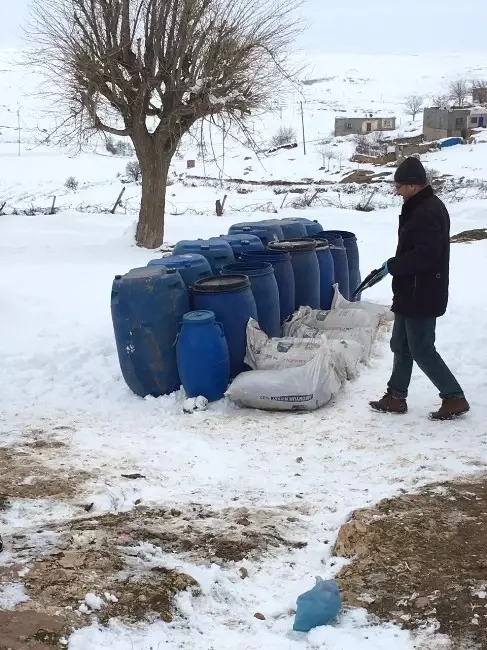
410	172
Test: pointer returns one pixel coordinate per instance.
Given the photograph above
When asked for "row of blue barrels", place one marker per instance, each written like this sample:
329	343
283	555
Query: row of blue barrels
146	344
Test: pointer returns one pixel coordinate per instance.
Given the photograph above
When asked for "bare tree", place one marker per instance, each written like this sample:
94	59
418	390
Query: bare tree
440	101
458	91
149	69
413	105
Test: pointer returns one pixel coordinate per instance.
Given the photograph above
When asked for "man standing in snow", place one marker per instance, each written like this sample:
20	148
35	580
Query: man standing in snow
420	277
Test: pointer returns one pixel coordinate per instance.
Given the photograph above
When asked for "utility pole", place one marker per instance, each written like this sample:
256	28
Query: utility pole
18	127
302	123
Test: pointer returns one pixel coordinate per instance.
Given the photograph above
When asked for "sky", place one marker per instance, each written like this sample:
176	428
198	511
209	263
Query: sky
360	26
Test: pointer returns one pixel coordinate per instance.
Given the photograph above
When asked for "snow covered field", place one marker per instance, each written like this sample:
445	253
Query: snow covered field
60	378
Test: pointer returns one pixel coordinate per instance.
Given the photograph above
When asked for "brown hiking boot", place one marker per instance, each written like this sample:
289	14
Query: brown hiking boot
390	404
451	408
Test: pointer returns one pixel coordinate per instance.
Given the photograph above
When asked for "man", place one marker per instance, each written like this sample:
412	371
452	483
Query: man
420	276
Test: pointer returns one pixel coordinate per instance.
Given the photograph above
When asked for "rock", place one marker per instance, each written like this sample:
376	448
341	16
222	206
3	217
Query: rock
260	616
243	573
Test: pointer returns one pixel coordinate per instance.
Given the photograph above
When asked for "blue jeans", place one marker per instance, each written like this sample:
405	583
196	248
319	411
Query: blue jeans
413	339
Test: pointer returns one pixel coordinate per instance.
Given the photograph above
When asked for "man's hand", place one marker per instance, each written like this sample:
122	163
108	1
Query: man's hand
383	272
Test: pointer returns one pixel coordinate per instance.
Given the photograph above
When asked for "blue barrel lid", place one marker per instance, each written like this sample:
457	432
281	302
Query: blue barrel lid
221	283
248	267
293	245
201	317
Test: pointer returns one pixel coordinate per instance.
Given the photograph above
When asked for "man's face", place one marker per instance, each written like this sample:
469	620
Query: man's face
407	191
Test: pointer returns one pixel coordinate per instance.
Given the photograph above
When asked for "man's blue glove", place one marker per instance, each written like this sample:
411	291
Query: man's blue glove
382	272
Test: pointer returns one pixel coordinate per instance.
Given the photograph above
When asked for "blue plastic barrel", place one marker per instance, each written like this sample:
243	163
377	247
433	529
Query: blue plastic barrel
340	260
241	243
147	306
306	270
217	251
266	232
284	274
327	273
230	298
202	356
291	228
191	267
353	258
266	293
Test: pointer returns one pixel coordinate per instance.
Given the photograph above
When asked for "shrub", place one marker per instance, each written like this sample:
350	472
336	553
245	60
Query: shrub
285	135
71	183
133	171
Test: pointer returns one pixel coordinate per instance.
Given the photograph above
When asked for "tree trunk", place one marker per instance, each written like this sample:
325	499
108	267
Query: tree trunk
154	165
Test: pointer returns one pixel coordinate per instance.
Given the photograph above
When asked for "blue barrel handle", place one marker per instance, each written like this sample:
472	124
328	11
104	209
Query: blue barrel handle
220	325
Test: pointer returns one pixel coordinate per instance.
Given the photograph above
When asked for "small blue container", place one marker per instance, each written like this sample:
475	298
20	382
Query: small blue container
202	356
230	298
306	270
242	243
266	294
318	606
217	251
147	306
353	258
191	267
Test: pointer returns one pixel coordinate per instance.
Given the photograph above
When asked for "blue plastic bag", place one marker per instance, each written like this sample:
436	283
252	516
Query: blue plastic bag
318	606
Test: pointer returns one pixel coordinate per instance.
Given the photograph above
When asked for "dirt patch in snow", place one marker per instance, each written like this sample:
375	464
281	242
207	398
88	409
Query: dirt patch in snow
468	236
421	559
24	474
114	565
31	630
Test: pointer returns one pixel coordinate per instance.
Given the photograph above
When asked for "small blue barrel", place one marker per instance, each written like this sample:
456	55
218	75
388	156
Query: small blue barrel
291	228
230	298
266	232
351	246
284	274
306	270
191	267
202	356
147	306
217	251
340	260
241	243
265	290
327	273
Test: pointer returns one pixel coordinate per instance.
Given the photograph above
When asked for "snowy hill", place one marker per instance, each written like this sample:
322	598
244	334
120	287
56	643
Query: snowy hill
65	407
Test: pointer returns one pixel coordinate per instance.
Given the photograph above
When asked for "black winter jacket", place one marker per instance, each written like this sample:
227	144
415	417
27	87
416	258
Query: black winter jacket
420	268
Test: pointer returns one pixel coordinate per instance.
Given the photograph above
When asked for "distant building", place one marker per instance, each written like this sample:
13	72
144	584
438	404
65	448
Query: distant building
479	95
363	125
441	123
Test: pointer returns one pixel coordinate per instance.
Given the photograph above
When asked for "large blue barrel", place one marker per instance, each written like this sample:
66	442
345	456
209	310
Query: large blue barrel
217	251
291	228
327	273
353	258
313	227
284	274
340	260
230	298
191	267
306	270
266	232
147	306
241	243
202	355
265	290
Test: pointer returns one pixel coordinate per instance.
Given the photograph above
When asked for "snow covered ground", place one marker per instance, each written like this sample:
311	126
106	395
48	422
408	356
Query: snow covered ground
60	375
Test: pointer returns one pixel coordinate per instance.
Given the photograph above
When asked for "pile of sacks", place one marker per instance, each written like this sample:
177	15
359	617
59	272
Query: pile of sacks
318	352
